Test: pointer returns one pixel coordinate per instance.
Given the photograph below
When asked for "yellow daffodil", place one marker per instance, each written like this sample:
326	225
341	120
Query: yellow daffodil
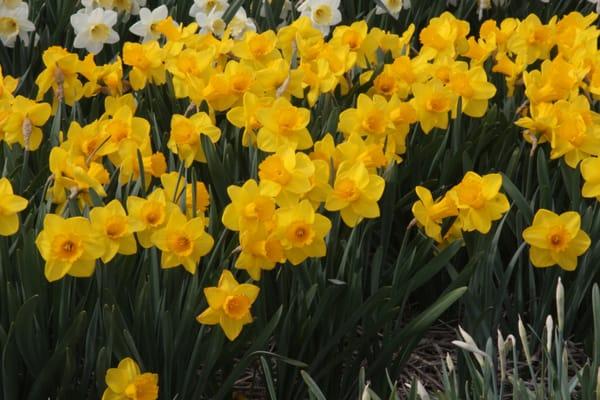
24	123
61	74
182	241
69	246
283	125
245	116
444	36
152	212
116	228
556	239
301	231
260	250
229	305
430	214
184	139
147	62
432	102
285	176
127	382
355	193
248	208
479	201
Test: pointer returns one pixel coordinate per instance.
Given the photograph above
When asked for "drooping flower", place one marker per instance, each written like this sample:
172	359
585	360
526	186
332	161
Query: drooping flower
430	213
556	239
127	382
95	29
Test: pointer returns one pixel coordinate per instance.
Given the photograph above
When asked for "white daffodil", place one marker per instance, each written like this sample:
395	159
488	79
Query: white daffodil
14	23
597	2
94	29
393	7
146	26
211	22
240	24
322	13
208	6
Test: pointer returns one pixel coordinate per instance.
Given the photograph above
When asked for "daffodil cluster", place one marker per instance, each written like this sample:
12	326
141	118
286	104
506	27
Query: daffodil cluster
229	79
472	205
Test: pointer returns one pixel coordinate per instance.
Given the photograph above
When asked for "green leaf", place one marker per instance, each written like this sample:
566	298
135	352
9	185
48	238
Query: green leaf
312	386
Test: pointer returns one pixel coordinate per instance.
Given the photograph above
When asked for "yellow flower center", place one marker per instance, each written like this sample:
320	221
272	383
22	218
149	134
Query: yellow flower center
143	387
181	244
240	83
67	247
558	238
272	169
118	130
8	26
300	234
236	306
99	32
287	120
438	104
470	193
347	190
185	133
116	227
352	39
322	15
461	85
153	213
259	46
374	123
385	84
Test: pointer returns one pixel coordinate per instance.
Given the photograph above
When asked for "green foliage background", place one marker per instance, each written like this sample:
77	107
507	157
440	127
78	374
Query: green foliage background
367	303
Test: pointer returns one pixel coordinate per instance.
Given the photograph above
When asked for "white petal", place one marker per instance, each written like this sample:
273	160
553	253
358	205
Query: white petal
113	37
139	29
110	18
145	15
160	13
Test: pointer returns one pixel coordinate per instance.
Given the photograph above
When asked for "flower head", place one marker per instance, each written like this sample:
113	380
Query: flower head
229	305
69	246
94	29
182	241
127	382
556	239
